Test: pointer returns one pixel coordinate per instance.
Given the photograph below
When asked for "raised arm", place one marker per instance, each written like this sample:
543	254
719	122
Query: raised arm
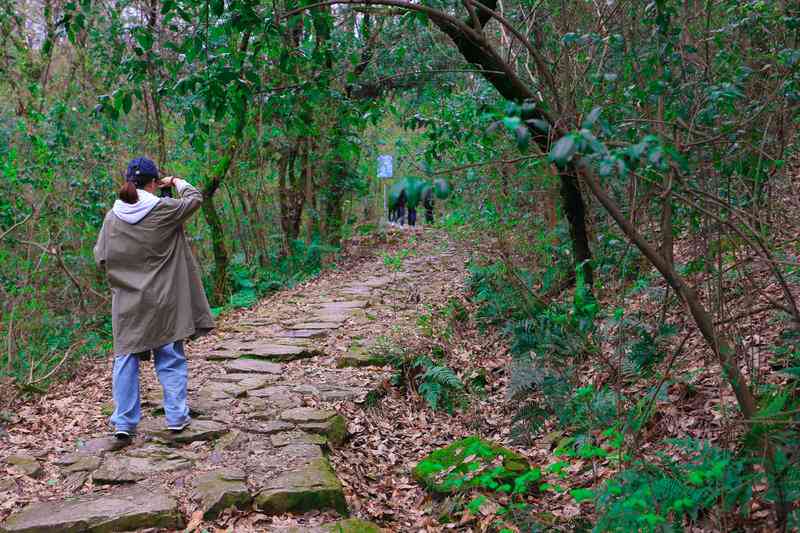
100	246
177	210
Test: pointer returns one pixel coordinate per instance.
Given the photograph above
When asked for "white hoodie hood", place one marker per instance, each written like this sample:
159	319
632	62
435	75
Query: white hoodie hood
133	213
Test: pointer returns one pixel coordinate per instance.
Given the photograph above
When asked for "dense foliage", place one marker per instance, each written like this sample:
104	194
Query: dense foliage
627	164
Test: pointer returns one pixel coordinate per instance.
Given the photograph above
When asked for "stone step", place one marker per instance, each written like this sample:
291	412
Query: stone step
342	305
198	430
255	366
303	333
312	486
267	350
140	464
358	356
127	509
315	325
220	489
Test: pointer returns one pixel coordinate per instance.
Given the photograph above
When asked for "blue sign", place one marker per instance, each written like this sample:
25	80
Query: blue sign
385	166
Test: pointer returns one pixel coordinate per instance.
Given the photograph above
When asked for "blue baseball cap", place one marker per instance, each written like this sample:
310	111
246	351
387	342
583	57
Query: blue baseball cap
141	170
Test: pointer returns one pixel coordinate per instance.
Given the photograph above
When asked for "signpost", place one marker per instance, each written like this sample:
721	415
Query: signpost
385	171
385	166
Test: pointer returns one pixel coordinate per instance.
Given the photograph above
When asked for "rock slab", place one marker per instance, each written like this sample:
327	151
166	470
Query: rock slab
221	489
254	366
140	464
126	510
26	464
311	486
358	356
300	415
197	430
102	445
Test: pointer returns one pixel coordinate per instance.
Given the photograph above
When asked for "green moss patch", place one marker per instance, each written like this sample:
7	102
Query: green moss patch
471	463
313	486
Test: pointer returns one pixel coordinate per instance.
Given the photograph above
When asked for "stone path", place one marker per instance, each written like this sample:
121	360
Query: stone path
263	398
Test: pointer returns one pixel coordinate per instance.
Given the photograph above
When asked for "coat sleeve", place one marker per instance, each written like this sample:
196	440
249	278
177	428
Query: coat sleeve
100	247
177	210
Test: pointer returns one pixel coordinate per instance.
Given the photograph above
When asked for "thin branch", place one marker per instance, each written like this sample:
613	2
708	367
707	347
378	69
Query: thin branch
541	65
15	226
55	252
487	163
68	351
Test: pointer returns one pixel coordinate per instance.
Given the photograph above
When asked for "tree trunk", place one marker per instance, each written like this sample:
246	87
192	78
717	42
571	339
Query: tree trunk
576	216
154	79
500	75
221	288
309	196
291	195
721	346
332	198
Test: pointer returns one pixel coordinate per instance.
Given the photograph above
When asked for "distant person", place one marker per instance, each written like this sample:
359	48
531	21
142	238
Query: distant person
400	208
157	293
427	202
392	211
412	216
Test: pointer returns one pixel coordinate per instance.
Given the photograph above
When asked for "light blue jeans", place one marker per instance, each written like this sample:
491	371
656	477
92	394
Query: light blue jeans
173	373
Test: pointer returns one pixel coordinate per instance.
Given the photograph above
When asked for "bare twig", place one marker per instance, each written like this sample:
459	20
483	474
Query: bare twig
487	163
68	351
15	226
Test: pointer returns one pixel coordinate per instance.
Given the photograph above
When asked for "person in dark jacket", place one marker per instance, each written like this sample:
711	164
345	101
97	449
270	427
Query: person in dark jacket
157	297
400	208
427	202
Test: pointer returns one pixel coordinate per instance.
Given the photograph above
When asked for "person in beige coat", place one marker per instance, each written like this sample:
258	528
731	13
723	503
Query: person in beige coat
157	293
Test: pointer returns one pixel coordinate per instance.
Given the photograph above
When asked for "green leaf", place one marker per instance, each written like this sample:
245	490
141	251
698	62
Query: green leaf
792	371
127	103
582	495
511	123
167	6
591	118
145	39
475	505
441	188
563	150
540	124
523	137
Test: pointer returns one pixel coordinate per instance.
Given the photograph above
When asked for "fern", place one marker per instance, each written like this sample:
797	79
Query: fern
444	376
438	385
676	492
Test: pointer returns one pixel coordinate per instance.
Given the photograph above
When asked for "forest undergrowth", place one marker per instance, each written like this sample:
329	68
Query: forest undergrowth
614	397
624	179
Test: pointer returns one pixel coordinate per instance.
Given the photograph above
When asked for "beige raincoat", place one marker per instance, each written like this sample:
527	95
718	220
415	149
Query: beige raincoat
157	292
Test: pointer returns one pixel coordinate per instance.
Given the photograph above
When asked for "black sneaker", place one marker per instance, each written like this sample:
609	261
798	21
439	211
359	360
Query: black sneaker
122	434
180	427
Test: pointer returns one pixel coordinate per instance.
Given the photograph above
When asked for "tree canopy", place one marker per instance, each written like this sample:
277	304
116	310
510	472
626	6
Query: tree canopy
624	173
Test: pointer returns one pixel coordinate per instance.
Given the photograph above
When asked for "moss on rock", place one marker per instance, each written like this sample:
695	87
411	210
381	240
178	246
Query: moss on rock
127	510
334	429
310	487
358	356
220	489
467	463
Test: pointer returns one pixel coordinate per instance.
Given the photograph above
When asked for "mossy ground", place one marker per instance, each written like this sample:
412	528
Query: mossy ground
467	463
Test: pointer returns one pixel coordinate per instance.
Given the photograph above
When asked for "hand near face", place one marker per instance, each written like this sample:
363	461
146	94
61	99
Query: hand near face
165	182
